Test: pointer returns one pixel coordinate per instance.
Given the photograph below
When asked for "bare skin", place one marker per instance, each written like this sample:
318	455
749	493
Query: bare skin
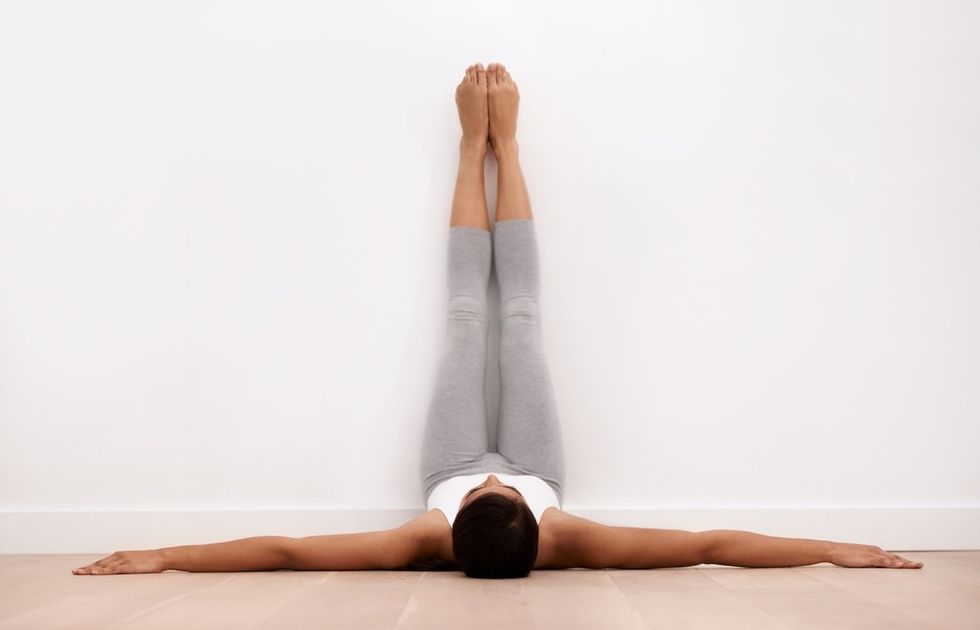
504	100
470	199
488	104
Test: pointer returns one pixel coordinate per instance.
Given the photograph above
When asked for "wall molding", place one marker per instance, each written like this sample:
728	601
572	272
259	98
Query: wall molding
108	530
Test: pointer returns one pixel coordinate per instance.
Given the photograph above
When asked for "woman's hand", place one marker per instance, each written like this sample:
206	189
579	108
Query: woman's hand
150	561
851	555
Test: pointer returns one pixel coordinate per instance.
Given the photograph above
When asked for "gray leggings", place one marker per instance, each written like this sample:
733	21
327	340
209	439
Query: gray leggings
529	437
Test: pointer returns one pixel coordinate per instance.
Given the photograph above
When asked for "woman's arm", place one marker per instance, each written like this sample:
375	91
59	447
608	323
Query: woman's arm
747	549
386	549
259	553
585	543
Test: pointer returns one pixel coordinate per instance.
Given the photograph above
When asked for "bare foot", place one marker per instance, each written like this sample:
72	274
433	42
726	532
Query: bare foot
504	100
471	100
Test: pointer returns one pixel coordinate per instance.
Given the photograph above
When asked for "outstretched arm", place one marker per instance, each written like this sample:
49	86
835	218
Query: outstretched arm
259	553
386	549
585	543
748	549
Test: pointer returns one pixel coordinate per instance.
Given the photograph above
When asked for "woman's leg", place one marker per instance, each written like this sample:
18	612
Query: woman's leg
529	430
456	425
470	198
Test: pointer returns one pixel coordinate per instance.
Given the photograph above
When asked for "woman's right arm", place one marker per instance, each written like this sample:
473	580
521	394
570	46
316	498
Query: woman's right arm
585	543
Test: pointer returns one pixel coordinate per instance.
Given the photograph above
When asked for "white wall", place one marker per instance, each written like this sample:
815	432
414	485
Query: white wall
222	258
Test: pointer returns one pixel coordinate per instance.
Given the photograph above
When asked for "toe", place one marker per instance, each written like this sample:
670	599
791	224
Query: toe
481	75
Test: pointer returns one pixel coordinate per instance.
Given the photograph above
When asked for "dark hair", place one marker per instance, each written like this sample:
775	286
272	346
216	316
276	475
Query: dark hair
495	537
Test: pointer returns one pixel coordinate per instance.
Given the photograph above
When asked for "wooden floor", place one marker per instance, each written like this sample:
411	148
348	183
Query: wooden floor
41	592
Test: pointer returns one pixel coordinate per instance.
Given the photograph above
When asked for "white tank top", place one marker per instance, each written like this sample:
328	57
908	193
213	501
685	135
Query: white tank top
447	495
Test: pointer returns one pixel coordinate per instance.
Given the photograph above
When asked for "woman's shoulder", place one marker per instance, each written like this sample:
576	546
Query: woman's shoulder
560	536
554	531
437	534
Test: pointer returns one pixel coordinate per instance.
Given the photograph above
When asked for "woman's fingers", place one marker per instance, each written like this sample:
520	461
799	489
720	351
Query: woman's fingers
854	555
892	560
896	561
137	561
106	566
103	569
99	566
904	561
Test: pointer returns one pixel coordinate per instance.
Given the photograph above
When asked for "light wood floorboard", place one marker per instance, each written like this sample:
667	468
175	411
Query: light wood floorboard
39	591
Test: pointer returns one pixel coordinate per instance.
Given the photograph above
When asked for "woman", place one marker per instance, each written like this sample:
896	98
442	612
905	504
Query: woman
495	514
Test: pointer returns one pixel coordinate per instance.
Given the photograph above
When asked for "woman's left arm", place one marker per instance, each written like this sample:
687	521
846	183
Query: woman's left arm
385	549
258	553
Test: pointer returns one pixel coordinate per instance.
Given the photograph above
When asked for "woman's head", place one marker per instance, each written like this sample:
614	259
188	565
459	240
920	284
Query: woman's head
495	536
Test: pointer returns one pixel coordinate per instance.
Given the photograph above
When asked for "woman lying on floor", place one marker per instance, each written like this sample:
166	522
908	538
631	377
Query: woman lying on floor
495	514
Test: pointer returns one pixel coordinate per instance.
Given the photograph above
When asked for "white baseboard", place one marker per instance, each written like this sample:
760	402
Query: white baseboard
106	531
